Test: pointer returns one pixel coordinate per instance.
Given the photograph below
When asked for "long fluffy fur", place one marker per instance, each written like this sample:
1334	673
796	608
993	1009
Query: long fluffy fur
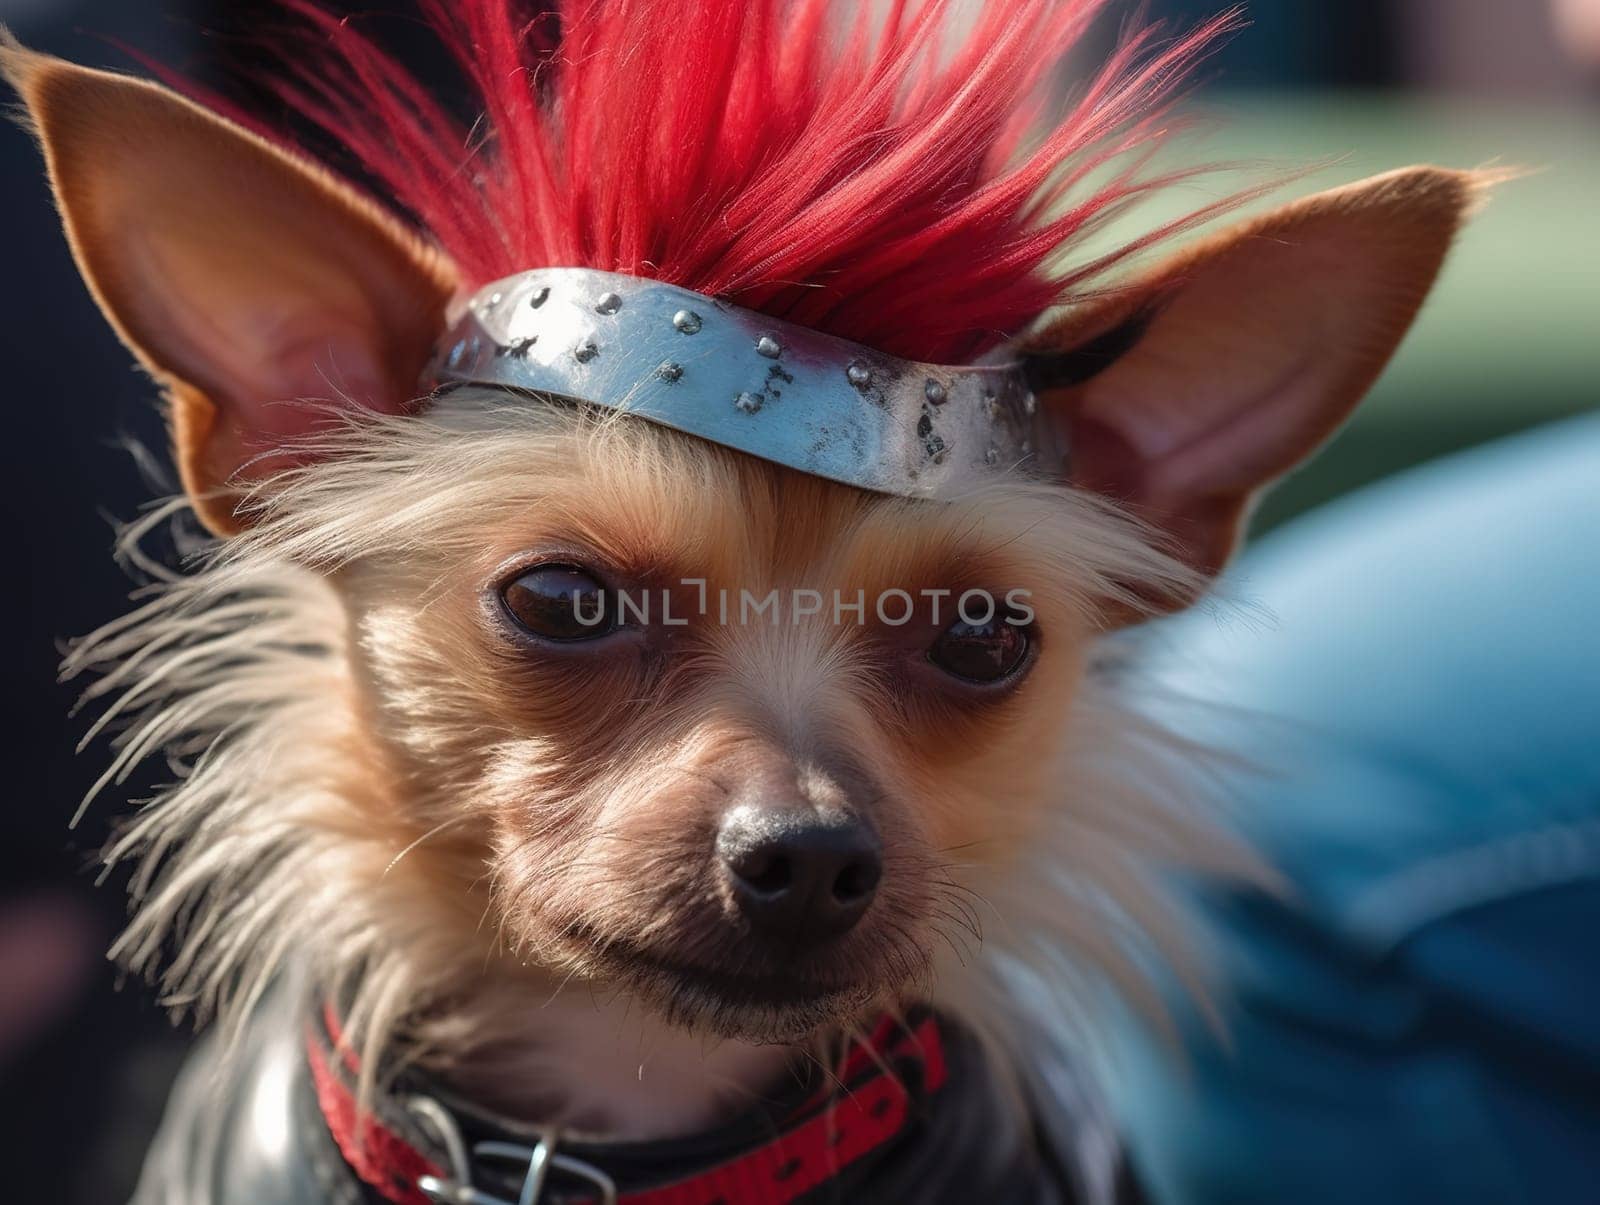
262	858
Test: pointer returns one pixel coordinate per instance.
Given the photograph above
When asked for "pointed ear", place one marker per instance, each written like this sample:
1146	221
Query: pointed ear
254	286
1185	393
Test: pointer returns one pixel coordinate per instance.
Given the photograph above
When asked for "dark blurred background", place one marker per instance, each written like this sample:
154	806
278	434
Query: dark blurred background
1512	339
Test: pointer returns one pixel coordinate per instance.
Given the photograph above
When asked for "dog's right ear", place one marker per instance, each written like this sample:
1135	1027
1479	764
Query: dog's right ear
253	285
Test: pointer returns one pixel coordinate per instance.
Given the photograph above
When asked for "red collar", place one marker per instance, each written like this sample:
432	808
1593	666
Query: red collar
878	1088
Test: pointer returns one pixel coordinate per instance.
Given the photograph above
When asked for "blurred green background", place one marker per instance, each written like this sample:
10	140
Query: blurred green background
1511	336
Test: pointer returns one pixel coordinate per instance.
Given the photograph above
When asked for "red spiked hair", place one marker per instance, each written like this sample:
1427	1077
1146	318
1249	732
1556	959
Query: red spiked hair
859	175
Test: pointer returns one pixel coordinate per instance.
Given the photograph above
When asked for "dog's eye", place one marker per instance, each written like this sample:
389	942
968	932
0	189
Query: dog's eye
981	652
559	602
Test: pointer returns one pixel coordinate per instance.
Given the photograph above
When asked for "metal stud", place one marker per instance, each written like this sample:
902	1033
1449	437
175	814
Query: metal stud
992	456
1030	403
669	371
769	347
687	321
495	299
934	392
858	374
539	296
609	303
517	347
748	402
586	351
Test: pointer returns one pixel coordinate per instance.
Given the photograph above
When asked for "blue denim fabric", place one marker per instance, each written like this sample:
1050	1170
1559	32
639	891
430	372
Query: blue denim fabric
1416	679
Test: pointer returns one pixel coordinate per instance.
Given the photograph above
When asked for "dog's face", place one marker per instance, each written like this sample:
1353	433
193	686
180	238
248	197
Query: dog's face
723	734
638	710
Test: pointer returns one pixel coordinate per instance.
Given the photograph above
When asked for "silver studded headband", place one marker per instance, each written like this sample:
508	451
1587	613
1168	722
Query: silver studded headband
772	389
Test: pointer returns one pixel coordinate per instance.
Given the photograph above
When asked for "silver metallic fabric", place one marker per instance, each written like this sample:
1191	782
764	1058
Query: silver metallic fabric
245	1130
769	388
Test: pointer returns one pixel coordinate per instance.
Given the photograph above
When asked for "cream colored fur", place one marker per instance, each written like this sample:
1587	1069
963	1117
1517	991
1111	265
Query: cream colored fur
291	846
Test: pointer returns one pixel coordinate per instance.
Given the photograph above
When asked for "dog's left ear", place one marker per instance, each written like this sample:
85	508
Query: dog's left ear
1184	394
254	286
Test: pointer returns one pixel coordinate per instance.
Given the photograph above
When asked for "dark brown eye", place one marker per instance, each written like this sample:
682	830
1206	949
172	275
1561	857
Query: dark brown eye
559	602
981	652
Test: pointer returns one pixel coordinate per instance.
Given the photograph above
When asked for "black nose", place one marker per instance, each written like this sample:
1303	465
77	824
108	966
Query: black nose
797	875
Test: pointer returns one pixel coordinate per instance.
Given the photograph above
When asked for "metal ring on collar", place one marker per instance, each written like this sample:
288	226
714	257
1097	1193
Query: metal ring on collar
539	1160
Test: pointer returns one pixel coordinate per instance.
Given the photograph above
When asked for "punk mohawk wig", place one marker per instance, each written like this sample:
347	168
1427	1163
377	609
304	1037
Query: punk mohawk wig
862	169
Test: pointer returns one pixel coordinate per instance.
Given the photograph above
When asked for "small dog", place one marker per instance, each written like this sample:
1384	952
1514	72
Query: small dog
665	553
